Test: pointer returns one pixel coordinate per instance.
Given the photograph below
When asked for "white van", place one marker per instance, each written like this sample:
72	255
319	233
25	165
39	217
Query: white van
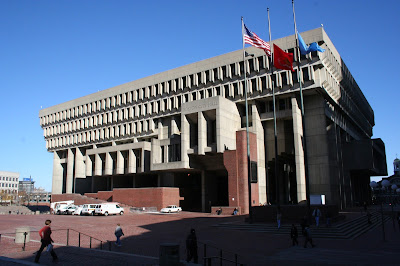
88	209
109	208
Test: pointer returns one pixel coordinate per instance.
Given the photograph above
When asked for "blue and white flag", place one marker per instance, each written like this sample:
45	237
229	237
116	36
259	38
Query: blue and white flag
304	49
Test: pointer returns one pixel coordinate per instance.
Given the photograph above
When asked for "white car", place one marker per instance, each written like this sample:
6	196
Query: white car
109	208
71	209
78	210
171	208
62	209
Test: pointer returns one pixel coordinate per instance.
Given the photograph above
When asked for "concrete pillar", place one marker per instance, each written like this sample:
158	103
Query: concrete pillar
109	163
120	163
258	129
202	132
299	152
79	164
89	163
70	171
98	165
185	140
131	162
57	184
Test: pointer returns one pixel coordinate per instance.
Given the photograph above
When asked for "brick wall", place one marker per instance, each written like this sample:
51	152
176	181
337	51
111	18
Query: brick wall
105	195
158	197
236	164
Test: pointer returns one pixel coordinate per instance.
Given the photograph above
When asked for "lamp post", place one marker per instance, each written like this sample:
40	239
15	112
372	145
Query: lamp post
374	185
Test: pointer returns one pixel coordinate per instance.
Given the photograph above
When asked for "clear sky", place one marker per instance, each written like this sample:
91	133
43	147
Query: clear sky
56	51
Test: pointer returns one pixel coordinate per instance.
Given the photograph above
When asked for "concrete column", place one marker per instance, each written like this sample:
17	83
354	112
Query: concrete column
202	132
70	171
299	152
203	191
185	140
79	164
57	184
131	162
89	164
108	168
98	165
120	163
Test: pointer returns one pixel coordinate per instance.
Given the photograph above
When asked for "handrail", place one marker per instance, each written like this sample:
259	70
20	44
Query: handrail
220	258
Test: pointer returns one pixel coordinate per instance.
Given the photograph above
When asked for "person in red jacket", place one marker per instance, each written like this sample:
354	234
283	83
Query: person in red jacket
45	235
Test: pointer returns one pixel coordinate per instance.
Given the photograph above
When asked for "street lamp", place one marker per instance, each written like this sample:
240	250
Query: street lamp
374	185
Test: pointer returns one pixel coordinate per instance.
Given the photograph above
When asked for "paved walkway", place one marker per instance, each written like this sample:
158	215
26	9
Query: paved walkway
145	232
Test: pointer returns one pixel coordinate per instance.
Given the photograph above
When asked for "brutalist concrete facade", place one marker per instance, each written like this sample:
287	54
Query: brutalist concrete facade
176	129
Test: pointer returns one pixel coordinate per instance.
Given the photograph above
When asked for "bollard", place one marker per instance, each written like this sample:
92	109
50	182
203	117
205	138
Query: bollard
90	242
79	244
67	236
23	248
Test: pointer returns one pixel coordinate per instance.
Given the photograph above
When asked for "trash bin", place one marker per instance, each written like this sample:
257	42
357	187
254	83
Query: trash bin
20	236
169	254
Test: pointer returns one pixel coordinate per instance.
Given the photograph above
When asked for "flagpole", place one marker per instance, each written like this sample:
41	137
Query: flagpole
275	129
302	115
247	129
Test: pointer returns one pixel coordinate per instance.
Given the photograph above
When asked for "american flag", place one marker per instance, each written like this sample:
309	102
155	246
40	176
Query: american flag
252	38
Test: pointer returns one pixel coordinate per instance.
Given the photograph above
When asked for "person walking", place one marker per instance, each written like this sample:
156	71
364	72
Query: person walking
118	234
45	239
279	218
307	234
191	247
317	214
294	234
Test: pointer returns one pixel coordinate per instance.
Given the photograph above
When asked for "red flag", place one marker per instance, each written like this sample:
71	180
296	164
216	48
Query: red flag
282	60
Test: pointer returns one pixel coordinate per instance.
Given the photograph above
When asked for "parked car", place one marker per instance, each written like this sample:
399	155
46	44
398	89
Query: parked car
88	209
78	210
70	209
63	209
171	208
108	209
55	206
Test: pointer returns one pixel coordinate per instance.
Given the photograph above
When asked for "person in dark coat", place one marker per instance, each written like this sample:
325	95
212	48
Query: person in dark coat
293	235
307	234
45	239
118	234
191	246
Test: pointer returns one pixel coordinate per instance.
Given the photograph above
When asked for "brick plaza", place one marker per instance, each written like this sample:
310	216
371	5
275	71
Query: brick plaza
145	232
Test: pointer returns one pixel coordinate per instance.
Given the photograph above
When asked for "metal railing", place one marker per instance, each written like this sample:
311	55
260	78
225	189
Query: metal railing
221	257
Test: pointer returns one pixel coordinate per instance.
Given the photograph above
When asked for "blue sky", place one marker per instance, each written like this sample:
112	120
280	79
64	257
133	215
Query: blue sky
56	51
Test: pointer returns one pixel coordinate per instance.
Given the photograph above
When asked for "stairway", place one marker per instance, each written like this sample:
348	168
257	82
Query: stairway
346	230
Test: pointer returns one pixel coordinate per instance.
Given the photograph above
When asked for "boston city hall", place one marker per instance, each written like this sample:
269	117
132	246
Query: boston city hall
179	137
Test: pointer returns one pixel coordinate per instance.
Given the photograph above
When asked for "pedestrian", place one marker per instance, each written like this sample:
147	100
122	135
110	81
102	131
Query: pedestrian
328	219
279	218
304	224
45	239
235	211
308	237
191	246
317	214
294	234
118	234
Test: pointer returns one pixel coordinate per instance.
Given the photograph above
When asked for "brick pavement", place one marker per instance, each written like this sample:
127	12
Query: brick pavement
145	232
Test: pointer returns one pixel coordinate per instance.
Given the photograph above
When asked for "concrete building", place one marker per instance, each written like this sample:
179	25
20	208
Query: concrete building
185	129
9	185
